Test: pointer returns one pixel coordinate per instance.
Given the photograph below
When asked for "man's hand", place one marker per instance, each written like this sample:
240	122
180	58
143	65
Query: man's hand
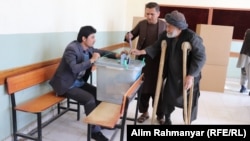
128	36
122	52
94	57
188	82
137	52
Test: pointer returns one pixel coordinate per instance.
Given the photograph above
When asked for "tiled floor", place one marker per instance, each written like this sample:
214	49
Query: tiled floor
230	107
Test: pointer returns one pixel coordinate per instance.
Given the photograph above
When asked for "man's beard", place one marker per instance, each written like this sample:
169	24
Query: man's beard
172	34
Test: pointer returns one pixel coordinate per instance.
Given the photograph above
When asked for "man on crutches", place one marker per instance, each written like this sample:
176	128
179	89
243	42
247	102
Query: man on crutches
179	77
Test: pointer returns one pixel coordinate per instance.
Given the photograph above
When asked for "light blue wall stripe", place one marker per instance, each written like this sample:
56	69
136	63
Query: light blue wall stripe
24	49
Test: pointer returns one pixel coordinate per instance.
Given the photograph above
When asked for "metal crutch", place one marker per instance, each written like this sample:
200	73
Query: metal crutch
160	79
187	112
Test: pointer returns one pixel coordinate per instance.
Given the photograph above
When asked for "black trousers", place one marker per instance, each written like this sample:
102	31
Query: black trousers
86	96
144	104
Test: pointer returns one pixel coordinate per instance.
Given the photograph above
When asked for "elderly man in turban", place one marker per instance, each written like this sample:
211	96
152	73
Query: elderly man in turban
176	33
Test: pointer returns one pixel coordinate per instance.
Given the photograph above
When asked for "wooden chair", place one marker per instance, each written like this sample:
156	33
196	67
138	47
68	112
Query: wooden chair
108	114
39	104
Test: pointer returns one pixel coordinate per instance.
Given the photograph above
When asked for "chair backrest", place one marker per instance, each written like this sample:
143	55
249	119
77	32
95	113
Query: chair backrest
131	91
30	78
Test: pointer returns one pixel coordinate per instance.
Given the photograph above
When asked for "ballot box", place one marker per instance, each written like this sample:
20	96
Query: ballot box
114	78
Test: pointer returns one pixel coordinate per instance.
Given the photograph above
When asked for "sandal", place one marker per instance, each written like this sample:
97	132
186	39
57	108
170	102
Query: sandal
142	118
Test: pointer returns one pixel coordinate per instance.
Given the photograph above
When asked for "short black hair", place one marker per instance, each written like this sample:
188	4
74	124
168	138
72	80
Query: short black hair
85	31
153	5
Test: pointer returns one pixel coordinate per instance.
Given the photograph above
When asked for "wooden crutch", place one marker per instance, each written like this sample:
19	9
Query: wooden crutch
190	103
160	79
186	106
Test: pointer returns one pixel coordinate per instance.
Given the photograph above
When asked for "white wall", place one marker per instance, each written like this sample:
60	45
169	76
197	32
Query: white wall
32	16
38	16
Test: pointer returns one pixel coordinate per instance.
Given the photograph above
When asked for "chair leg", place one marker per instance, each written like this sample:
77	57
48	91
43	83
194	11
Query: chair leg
124	118
39	126
89	132
78	111
14	124
137	106
58	108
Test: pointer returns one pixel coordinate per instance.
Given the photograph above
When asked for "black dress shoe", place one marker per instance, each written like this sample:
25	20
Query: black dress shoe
98	136
107	128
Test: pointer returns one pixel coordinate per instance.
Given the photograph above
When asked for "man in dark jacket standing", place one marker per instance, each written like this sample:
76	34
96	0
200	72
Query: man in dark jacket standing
148	31
176	33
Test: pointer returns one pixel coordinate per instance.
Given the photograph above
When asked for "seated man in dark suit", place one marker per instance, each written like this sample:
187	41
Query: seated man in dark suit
71	77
